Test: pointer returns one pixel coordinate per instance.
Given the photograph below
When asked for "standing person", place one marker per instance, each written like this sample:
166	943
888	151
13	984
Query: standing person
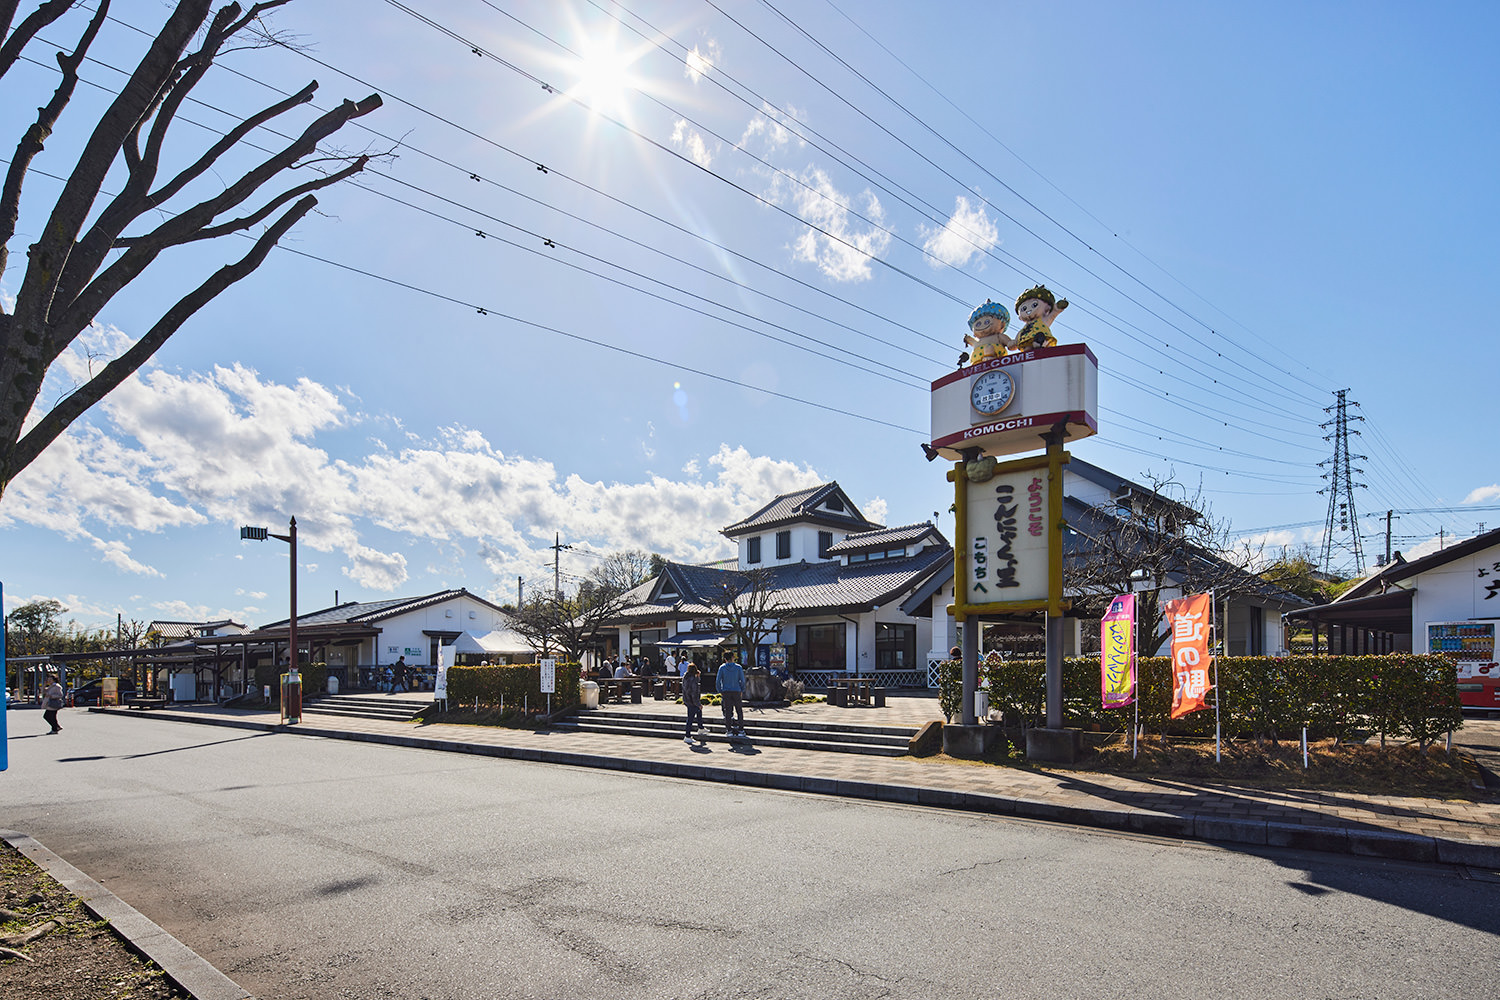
692	697
671	663
53	700
730	681
398	675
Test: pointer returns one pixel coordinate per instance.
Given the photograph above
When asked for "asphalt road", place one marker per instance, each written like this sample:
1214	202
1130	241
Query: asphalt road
315	868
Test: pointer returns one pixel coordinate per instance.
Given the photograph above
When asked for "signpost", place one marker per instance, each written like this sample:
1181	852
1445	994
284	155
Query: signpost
1007	556
548	680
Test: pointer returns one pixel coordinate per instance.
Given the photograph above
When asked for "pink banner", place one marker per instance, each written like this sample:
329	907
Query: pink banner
1117	652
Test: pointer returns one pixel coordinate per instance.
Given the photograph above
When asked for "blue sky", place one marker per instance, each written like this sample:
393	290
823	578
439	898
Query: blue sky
1248	208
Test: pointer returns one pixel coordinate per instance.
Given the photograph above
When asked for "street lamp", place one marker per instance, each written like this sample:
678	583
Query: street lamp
260	535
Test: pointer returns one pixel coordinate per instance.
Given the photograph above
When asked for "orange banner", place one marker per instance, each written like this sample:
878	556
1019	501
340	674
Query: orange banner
1188	619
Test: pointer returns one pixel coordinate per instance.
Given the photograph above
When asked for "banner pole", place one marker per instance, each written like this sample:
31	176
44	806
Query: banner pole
1135	726
1218	694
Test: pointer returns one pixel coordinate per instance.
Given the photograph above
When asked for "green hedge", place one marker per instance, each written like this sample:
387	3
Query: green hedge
1402	695
519	684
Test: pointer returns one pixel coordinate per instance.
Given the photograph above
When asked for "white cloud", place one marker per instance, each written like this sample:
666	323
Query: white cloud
833	242
1483	494
117	554
169	450
692	142
968	233
698	62
765	129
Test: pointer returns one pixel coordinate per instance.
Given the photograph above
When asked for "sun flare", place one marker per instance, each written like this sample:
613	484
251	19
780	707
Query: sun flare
604	81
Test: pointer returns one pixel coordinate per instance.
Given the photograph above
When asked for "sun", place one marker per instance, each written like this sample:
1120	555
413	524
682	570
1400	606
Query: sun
604	80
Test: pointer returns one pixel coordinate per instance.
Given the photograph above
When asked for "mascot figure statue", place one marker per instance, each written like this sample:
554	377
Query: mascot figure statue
1038	309
987	334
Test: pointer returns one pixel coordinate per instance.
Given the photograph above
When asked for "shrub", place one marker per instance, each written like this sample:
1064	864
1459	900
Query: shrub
512	686
314	679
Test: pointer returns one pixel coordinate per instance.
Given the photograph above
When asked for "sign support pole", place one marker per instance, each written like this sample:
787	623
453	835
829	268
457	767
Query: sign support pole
1054	439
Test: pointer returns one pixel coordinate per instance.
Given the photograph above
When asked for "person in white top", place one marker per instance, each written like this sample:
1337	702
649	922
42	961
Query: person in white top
671	663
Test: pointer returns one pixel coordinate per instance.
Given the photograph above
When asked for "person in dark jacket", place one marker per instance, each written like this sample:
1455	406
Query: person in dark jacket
731	684
692	698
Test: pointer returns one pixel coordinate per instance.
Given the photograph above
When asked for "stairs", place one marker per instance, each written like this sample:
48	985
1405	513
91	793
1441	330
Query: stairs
880	741
389	707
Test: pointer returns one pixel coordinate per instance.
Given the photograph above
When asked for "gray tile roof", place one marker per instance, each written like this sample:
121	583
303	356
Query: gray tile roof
802	506
885	538
362	612
806	588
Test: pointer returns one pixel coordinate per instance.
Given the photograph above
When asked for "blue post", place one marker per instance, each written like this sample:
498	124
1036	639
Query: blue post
4	695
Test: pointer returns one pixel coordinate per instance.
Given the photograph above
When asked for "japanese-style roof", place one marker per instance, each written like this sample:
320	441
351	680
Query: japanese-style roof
805	507
802	588
366	612
1401	569
1120	487
1388	612
885	538
175	630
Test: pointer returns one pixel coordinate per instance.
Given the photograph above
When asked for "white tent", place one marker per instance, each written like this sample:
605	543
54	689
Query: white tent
500	642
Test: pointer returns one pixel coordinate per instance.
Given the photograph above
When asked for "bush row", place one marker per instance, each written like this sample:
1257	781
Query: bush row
1401	694
512	686
314	679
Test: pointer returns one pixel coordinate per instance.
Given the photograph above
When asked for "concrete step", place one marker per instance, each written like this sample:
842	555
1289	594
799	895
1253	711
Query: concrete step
761	722
376	706
882	741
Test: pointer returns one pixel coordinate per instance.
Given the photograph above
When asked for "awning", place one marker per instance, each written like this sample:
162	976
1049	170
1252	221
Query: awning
1388	612
501	641
695	640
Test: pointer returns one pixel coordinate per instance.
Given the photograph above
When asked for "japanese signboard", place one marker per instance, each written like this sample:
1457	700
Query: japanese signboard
1188	619
549	676
1007	538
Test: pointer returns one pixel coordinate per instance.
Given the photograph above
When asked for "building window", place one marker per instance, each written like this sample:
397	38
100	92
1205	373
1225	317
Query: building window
783	545
1257	631
825	541
821	647
643	642
752	550
895	646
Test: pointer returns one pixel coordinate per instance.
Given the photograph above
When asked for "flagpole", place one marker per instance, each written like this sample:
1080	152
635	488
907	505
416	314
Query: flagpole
1214	622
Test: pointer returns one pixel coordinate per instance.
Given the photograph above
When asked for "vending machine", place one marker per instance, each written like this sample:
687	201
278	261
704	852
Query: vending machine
1472	644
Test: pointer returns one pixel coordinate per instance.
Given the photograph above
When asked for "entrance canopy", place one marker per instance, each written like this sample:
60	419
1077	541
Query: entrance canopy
694	640
499	642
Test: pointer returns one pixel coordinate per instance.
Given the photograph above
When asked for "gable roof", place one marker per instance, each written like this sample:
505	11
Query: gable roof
1120	487
1400	569
805	507
366	612
805	588
883	538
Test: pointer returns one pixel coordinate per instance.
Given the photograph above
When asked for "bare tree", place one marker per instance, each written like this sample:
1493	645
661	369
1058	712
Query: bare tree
749	604
1153	544
623	570
83	256
567	622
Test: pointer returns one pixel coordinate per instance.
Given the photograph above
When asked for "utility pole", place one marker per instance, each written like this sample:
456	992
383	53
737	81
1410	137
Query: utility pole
1340	489
557	547
1388	516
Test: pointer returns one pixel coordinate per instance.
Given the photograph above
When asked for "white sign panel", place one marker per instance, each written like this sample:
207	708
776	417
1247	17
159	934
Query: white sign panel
440	691
1004	406
1007	538
549	676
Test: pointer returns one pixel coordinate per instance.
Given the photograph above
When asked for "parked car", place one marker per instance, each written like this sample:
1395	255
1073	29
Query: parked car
88	694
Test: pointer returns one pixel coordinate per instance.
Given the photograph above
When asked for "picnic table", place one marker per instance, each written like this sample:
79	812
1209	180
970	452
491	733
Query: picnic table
854	690
622	689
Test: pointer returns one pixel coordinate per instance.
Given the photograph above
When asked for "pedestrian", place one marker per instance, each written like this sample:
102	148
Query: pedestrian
730	681
398	675
671	664
692	697
53	700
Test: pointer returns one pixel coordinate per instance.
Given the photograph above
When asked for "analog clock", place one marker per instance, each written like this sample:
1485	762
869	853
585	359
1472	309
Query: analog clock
992	391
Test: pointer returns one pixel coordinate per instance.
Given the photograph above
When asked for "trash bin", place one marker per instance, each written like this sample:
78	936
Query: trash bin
333	684
590	694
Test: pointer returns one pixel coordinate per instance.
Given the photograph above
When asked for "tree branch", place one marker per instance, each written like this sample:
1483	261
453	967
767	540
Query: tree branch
27	29
76	404
182	227
36	136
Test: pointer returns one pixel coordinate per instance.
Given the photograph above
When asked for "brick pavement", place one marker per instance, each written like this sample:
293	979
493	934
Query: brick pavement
1409	828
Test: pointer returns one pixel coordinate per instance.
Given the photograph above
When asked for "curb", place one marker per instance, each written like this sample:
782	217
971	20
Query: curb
1357	840
182	965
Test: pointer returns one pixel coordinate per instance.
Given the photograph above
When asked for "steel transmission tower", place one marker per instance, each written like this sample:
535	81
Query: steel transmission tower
1342	527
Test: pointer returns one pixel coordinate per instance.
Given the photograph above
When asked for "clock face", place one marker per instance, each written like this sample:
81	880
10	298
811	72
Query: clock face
992	392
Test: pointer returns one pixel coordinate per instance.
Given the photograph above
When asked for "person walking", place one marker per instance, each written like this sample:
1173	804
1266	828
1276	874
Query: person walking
730	681
692	697
53	700
398	675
